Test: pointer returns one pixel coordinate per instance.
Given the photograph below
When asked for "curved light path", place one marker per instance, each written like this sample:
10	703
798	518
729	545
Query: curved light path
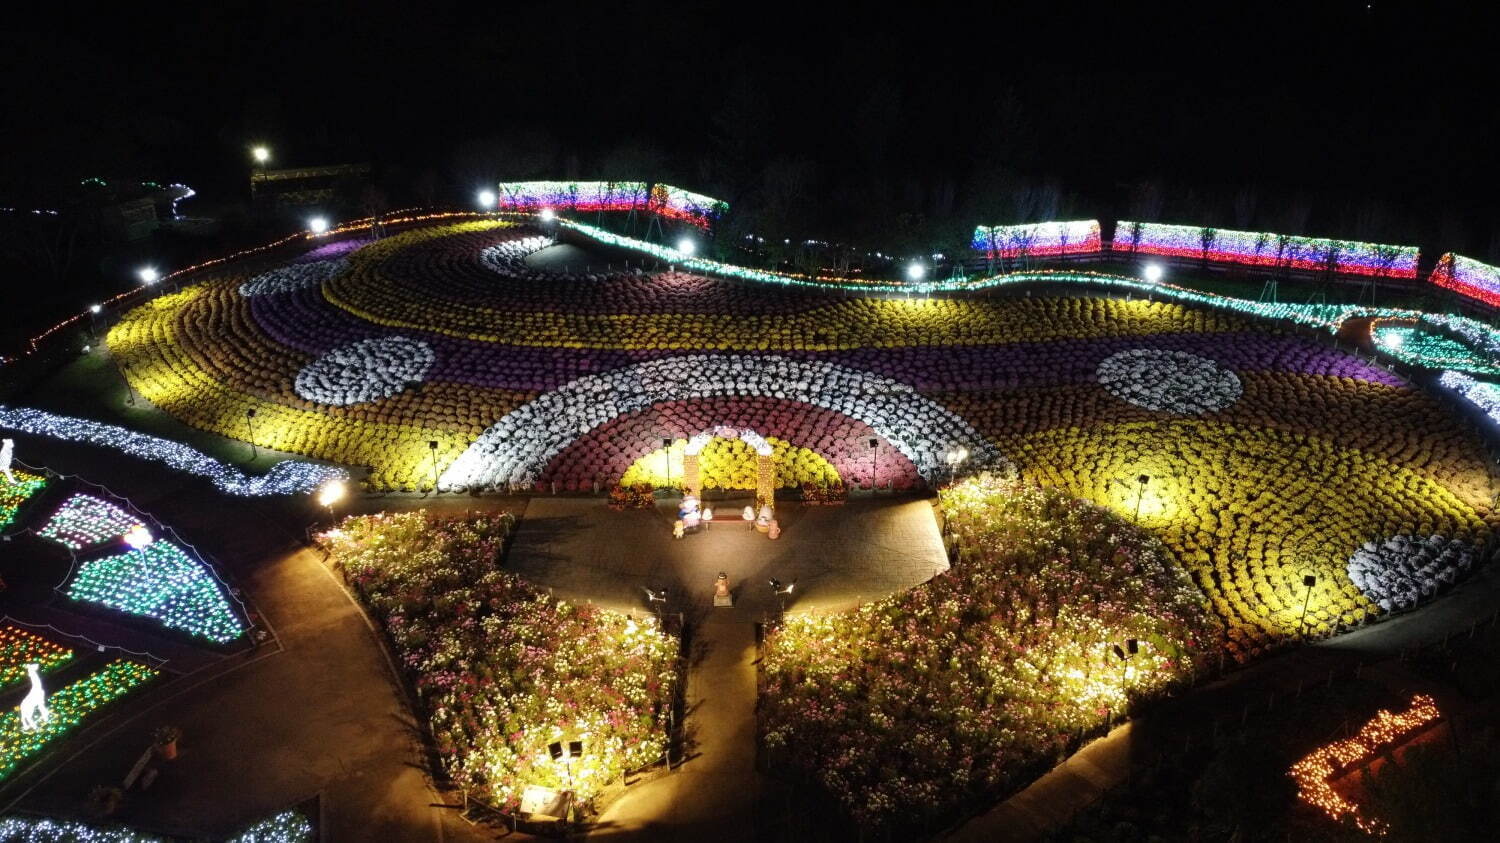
518	447
285	478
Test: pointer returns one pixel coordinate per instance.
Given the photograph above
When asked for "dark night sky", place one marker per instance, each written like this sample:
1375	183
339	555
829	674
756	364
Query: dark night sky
1393	103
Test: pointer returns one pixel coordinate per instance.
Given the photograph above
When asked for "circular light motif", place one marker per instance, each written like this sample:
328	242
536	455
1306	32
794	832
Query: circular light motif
363	371
1170	381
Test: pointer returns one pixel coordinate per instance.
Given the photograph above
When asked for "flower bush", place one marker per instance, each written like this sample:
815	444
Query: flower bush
296	276
731	464
1174	381
501	669
1402	570
364	371
18	647
918	702
1271	453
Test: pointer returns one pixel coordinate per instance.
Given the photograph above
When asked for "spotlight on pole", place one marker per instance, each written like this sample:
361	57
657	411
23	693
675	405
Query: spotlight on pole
486	199
318	225
261	155
148	275
331	493
548	215
915	272
94	308
1154	272
686	246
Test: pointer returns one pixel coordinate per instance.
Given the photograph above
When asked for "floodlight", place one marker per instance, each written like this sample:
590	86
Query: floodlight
1154	272
318	225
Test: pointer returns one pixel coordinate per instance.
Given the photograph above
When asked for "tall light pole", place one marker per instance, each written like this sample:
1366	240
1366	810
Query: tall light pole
874	461
1140	494
666	450
432	445
250	423
1308	580
331	493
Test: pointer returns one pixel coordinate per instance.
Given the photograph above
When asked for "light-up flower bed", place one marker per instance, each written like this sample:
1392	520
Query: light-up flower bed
12	495
19	647
1271	454
501	669
731	464
84	520
160	581
285	827
920	702
69	706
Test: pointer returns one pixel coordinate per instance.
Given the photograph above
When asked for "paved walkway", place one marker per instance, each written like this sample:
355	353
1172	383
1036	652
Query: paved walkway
715	793
839	555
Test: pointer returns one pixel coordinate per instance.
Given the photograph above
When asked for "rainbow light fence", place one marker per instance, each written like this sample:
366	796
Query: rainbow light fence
685	205
1261	248
69	706
572	195
1467	277
1038	239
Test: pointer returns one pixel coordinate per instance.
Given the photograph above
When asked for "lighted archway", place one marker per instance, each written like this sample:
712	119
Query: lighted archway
517	448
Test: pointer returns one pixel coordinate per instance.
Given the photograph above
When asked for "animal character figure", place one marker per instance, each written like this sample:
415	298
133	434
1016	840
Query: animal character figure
34	711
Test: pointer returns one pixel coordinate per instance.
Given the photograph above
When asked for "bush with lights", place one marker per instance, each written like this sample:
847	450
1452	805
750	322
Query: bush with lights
68	706
19	647
161	581
12	495
956	688
501	668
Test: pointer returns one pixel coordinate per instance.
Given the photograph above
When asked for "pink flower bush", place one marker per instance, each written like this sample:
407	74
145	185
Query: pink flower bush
954	690
500	668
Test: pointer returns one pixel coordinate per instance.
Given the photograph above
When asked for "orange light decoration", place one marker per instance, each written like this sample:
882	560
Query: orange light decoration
1313	774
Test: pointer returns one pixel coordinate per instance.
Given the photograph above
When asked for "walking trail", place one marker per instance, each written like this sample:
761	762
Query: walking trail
715	792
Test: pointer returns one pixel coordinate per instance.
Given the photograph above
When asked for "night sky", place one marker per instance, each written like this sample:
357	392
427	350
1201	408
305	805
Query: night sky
869	114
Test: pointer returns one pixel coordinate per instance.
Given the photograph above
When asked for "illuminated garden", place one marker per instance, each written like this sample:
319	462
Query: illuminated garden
1141	486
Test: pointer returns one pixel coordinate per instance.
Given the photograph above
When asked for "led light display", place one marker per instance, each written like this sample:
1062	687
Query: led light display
1312	773
69	706
1259	248
1468	278
685	205
12	495
1482	394
1039	239
285	478
19	647
160	581
572	195
84	520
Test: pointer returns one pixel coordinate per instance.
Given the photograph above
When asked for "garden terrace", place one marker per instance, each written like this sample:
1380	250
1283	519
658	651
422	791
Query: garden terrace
1272	456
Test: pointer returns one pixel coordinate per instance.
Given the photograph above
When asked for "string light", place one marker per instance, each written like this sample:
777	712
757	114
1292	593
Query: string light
84	521
1038	239
12	495
18	648
573	195
685	205
1482	394
288	477
68	706
1313	773
1259	248
160	581
1467	277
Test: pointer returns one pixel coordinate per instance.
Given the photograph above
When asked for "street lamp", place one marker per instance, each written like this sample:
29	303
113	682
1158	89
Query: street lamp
686	246
666	450
955	457
1140	494
94	310
1308	580
656	599
250	423
318	225
548	215
915	272
432	446
781	591
487	199
261	155
148	275
331	493
874	461
1154	272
